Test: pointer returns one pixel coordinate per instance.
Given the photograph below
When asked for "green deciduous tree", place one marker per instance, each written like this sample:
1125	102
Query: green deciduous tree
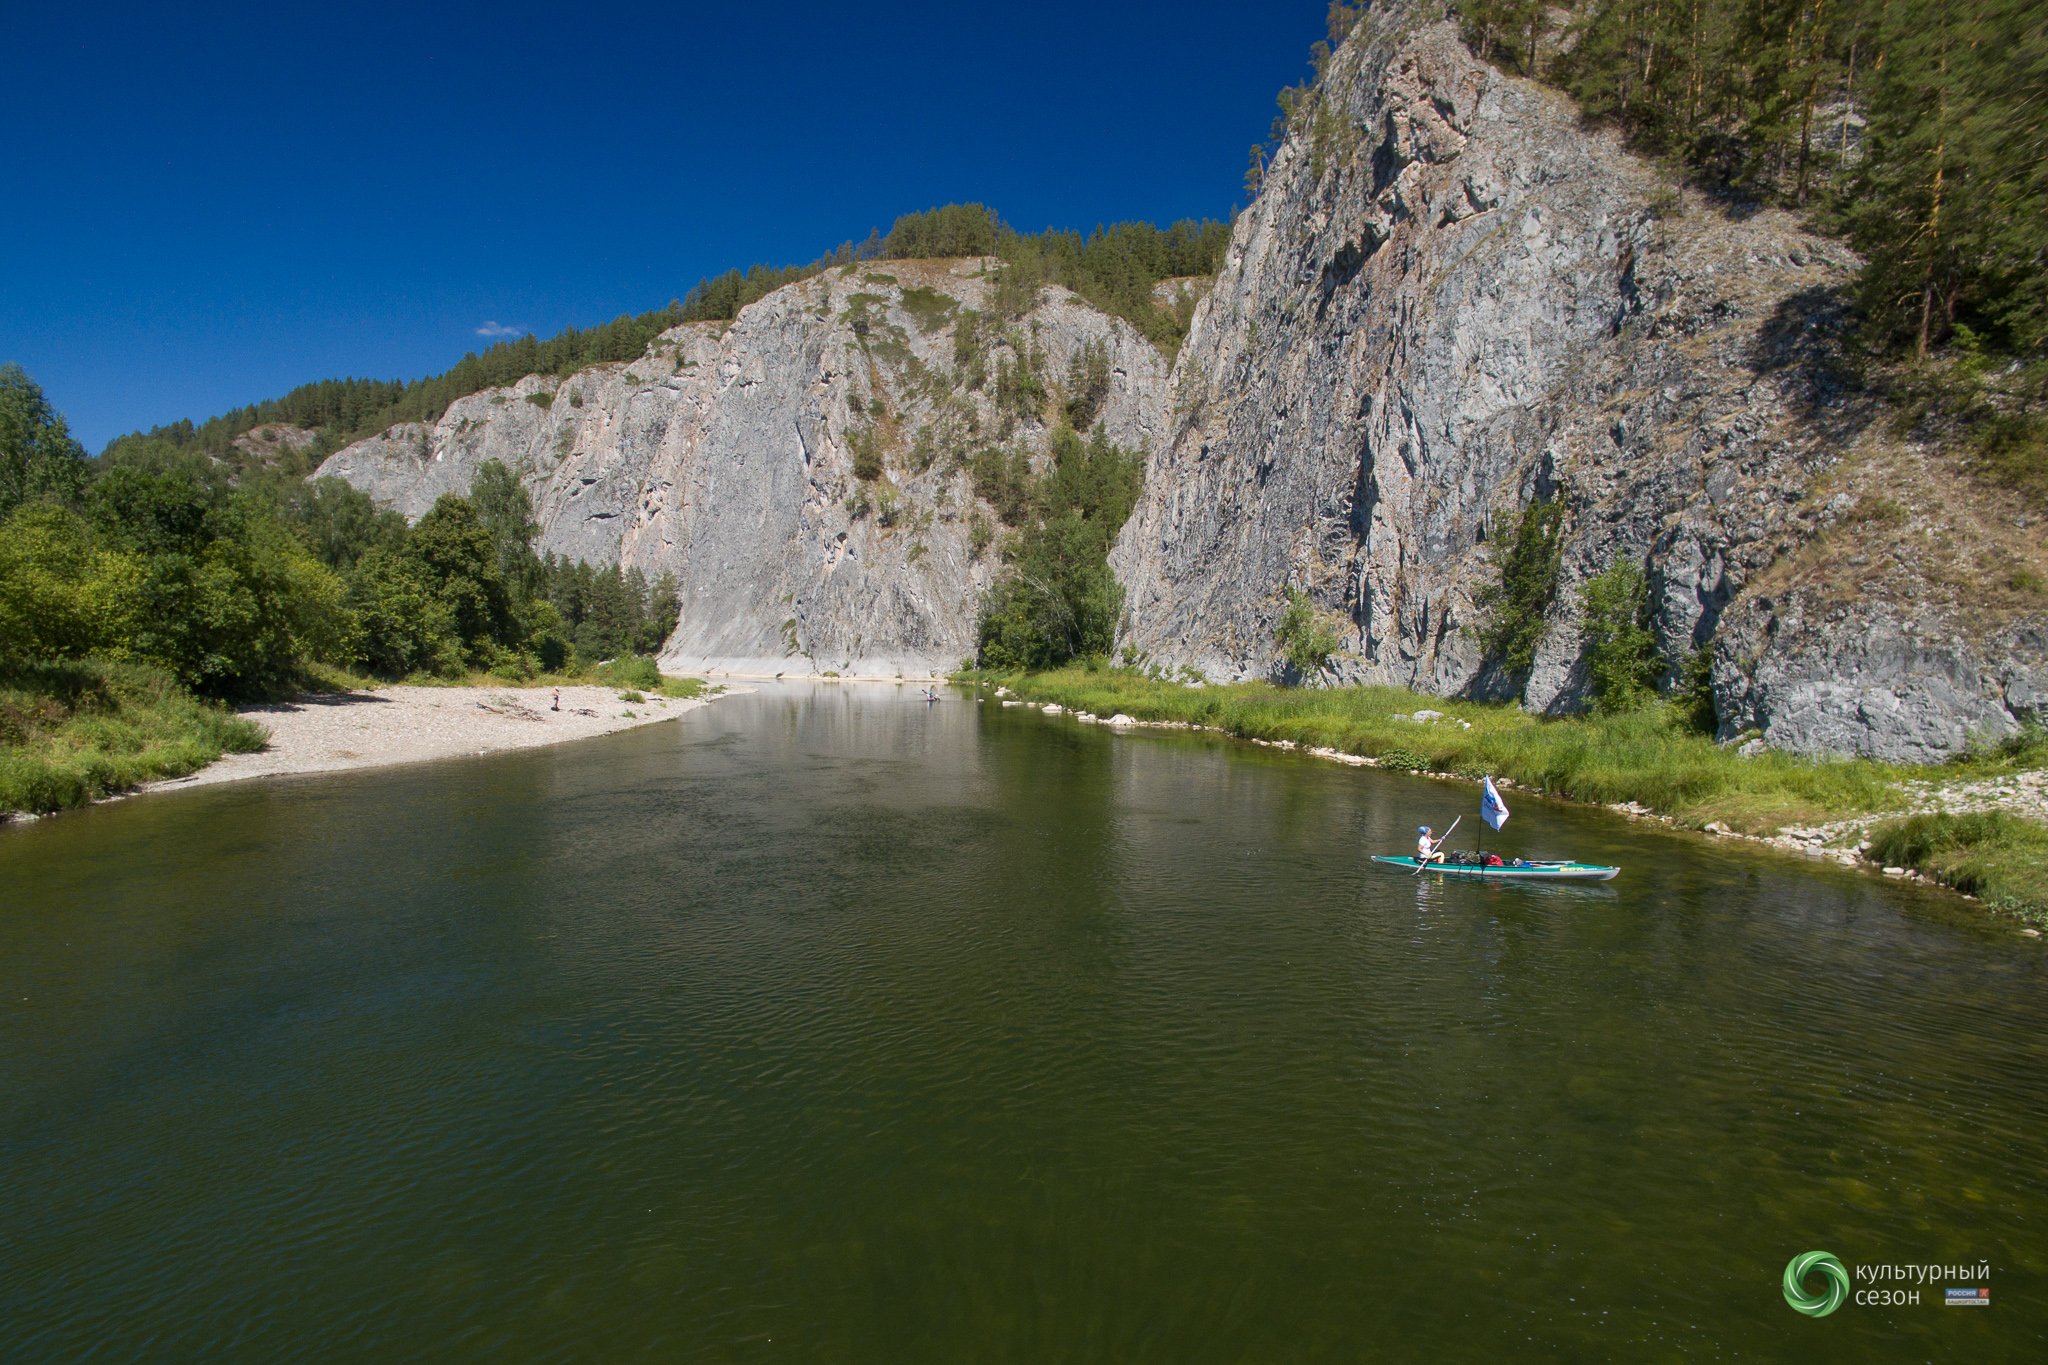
64	594
506	511
1057	598
1622	660
406	627
339	523
459	559
38	458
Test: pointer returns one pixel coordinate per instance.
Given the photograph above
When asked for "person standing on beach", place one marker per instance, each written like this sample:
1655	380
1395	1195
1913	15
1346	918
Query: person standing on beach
558	700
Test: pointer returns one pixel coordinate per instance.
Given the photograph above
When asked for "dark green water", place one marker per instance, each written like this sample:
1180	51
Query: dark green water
823	1026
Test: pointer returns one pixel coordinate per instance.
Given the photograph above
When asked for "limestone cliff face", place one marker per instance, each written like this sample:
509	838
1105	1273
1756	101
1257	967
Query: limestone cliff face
1451	299
727	456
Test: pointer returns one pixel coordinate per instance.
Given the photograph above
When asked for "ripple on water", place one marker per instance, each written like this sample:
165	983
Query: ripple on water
819	1025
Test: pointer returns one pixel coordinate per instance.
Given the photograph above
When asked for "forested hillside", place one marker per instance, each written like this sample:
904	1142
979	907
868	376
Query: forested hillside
127	590
1914	129
1113	267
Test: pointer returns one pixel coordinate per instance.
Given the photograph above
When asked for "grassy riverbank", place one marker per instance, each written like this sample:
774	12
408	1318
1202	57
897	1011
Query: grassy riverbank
78	731
74	732
1988	854
1650	757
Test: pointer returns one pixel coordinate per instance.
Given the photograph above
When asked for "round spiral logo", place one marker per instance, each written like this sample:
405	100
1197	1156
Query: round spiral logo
1834	1277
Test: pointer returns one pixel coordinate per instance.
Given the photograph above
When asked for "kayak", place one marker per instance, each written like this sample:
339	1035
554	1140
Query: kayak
1511	872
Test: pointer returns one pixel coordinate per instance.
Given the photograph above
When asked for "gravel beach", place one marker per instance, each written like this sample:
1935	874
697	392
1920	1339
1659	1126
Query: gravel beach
394	725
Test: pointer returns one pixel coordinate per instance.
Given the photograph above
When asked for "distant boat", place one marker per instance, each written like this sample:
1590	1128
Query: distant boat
1514	870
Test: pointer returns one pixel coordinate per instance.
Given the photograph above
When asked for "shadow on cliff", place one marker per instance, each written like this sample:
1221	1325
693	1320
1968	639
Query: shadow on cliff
1808	345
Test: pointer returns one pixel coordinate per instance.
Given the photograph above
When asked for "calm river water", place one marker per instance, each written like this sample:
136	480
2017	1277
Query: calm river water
823	1025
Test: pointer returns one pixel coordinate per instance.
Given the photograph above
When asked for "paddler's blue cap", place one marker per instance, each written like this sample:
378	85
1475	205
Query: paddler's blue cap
1422	829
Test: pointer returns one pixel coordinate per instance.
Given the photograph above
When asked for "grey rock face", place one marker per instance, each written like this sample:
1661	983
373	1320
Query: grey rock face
1451	299
726	456
1870	679
1463	301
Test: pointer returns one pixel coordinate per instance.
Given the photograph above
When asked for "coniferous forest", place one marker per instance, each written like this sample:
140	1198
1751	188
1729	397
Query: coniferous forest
1913	131
1113	267
1917	131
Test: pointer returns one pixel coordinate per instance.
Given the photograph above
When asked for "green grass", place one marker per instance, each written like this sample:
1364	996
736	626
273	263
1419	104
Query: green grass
634	671
1649	756
930	309
2020	752
637	673
1991	855
74	732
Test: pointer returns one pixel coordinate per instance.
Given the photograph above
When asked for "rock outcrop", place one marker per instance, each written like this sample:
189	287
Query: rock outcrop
1450	299
727	455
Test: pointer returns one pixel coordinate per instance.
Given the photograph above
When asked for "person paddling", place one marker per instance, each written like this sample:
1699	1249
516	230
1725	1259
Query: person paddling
1426	847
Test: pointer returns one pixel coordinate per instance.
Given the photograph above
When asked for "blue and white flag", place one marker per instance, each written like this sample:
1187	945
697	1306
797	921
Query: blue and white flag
1492	809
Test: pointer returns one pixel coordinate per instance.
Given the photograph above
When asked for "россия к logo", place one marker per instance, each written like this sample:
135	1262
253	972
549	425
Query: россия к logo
1834	1277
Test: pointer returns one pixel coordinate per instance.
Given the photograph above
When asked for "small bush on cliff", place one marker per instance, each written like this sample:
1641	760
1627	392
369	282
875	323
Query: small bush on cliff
1694	695
1516	605
1622	660
1306	640
1087	386
866	445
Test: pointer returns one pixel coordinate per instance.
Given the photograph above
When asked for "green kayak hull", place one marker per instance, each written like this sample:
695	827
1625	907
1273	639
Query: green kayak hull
1531	872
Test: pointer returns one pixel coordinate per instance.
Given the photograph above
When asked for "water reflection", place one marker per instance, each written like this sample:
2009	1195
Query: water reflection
828	1024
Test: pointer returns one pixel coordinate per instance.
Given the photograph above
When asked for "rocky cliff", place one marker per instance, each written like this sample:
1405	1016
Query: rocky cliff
1450	299
728	455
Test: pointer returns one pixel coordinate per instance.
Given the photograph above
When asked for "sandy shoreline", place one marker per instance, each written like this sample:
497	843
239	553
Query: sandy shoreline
396	725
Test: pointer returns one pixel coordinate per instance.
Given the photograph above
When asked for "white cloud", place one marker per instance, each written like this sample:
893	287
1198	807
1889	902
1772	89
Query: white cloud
499	329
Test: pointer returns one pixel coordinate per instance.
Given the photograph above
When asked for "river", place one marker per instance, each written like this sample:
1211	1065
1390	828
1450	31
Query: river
826	1025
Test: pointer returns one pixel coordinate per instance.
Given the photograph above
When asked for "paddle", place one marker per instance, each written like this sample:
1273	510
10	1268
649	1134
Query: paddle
1422	863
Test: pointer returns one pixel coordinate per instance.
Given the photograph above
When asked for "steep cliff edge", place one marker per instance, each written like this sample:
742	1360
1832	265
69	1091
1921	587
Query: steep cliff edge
1451	299
729	453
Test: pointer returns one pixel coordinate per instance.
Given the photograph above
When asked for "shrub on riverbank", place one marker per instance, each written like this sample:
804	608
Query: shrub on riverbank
638	673
1651	755
73	732
1988	854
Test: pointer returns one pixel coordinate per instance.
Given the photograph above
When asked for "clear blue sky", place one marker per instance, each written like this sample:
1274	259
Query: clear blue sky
208	205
